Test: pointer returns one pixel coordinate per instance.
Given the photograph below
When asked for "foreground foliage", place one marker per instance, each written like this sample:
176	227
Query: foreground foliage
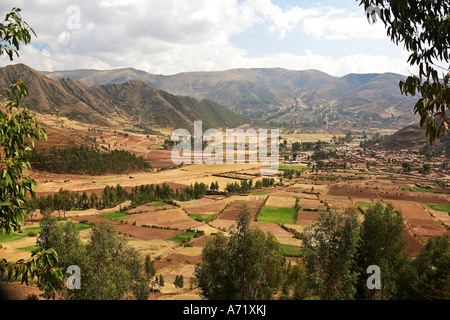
17	129
422	27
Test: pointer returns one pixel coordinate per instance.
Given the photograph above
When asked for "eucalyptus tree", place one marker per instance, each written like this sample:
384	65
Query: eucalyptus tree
423	28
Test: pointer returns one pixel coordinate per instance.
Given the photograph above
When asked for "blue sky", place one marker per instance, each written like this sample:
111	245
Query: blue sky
172	36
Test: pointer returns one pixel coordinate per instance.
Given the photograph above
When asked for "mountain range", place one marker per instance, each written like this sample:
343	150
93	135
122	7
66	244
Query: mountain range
269	90
271	97
133	102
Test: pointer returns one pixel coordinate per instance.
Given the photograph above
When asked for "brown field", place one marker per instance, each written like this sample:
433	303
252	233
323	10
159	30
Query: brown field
173	218
233	210
280	201
307	217
149	208
207	209
412	244
145	233
282	235
419	221
347	191
311	204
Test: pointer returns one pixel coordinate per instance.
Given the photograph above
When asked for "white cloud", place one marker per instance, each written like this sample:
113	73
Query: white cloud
339	25
171	36
353	63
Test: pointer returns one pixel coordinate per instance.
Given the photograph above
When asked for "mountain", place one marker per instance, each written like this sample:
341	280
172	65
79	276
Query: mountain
239	89
132	101
48	96
282	96
410	137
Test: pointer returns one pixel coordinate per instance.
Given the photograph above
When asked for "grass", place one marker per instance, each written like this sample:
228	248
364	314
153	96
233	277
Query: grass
32	248
261	193
203	217
241	200
32	229
277	215
363	204
81	226
293	167
158	204
11	237
440	207
160	147
291	251
417	189
183	237
114	215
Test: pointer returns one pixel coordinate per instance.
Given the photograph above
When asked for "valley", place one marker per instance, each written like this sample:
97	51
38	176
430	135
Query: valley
174	233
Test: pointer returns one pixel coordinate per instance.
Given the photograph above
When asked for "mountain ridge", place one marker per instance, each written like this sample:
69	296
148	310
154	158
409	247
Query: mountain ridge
133	101
270	90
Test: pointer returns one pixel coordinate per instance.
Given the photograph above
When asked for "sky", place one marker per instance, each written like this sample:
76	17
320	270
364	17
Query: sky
172	36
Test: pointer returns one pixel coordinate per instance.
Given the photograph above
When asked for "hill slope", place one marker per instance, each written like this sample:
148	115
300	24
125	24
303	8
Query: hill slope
410	137
132	101
265	89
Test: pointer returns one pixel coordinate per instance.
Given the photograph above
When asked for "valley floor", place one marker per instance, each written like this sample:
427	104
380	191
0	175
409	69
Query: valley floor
156	229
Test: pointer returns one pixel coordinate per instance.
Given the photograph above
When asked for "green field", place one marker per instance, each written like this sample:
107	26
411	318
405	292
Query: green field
81	226
11	237
417	189
363	204
277	215
440	207
114	215
292	167
32	229
261	193
32	248
291	251
158	204
183	237
203	217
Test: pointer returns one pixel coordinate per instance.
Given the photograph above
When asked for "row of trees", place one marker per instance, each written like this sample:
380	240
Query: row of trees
87	160
337	251
150	193
111	196
65	200
246	186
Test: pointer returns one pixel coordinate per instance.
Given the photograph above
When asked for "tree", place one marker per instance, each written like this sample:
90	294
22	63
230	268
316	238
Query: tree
247	266
179	281
295	285
382	244
64	239
110	269
422	26
149	267
329	247
433	269
18	128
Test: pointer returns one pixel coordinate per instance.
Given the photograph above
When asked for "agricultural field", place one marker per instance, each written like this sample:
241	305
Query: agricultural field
174	233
